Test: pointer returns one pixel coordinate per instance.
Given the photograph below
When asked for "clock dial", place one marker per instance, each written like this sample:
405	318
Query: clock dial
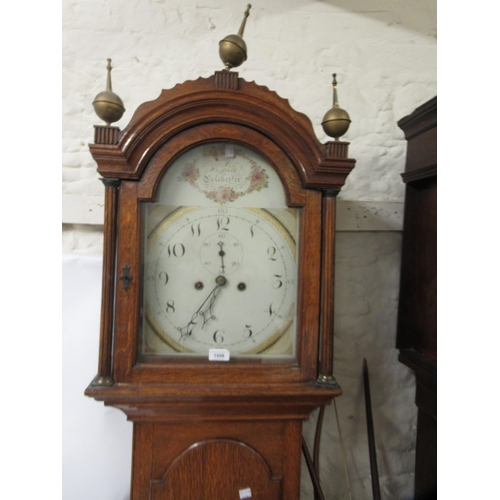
219	258
221	277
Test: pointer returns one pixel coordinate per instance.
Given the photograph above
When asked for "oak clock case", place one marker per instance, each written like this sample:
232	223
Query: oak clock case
218	241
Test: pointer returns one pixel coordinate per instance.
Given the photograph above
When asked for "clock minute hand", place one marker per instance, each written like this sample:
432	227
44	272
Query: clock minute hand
187	330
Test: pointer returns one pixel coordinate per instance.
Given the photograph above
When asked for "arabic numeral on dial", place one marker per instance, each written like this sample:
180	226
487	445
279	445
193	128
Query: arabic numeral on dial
163	277
177	250
219	336
271	251
170	306
247	332
271	310
196	229
222	223
278	283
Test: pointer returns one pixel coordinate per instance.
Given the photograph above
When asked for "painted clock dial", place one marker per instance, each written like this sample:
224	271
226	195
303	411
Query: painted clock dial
219	259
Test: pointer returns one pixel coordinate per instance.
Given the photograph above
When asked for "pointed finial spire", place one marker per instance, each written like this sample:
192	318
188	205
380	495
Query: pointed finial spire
244	22
232	48
336	121
107	105
335	96
108	80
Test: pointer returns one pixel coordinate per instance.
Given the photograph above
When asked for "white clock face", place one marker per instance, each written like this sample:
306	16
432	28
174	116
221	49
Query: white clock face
221	278
221	275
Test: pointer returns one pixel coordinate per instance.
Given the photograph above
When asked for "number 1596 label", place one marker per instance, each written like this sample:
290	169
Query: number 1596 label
218	355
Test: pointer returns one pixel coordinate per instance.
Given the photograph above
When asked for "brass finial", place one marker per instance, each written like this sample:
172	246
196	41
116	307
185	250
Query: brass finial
335	96
108	79
244	22
232	48
107	105
336	121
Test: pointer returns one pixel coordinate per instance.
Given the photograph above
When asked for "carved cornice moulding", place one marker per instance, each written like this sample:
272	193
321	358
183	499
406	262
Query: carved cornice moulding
194	103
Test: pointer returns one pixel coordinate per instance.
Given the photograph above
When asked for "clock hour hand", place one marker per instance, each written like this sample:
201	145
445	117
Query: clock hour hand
205	314
222	253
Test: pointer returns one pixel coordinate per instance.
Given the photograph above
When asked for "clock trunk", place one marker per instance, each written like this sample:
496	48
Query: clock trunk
202	260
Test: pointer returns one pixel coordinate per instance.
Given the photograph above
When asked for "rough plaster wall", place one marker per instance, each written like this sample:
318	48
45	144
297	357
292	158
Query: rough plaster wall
384	54
367	279
83	238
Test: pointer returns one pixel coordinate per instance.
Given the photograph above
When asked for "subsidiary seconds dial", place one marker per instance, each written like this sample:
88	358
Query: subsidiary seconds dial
221	277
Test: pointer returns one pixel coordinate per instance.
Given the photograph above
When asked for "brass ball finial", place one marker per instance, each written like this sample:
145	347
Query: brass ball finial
232	48
336	121
107	105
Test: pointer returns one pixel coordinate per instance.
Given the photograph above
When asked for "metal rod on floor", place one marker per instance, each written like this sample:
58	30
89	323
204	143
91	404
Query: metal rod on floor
317	442
371	434
310	466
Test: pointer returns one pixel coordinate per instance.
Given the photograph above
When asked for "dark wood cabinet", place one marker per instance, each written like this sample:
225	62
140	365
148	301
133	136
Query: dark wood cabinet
417	326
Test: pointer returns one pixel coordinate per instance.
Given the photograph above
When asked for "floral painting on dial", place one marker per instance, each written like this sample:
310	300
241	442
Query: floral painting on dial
223	173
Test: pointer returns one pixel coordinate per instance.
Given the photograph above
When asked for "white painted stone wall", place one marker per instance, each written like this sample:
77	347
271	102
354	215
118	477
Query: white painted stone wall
384	52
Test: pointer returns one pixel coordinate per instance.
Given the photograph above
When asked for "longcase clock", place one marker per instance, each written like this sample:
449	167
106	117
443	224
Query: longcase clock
217	309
